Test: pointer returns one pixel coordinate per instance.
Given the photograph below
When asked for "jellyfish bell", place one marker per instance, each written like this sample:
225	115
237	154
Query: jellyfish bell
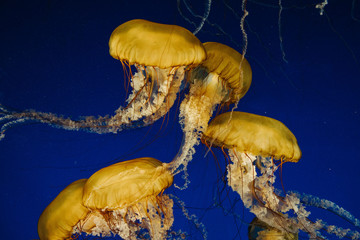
223	78
138	179
130	197
229	66
153	44
259	230
253	134
66	215
161	54
65	211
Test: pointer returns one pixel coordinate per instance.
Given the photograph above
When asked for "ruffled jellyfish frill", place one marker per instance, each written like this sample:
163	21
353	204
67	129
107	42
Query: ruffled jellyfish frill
253	143
223	78
129	195
160	53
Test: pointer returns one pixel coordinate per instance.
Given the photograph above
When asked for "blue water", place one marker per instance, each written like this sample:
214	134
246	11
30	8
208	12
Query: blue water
54	58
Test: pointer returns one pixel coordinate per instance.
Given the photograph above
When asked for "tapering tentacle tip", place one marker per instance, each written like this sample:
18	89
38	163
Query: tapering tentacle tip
2	135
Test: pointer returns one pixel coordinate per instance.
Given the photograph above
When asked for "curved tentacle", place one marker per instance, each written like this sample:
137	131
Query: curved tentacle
286	213
314	201
195	112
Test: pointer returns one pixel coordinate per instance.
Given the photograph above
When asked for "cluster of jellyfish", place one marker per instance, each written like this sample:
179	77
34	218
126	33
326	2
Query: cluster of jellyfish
127	198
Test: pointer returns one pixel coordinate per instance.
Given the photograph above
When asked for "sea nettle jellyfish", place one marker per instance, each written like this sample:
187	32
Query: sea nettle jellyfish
254	143
129	195
124	199
160	53
223	78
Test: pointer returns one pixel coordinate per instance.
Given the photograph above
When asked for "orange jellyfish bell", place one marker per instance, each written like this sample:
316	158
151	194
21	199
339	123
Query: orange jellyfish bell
66	215
138	179
147	43
65	211
230	66
130	196
259	230
253	134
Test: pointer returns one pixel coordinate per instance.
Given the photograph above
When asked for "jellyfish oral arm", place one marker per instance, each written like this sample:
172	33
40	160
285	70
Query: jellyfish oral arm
169	100
258	194
264	200
154	214
152	97
195	112
241	175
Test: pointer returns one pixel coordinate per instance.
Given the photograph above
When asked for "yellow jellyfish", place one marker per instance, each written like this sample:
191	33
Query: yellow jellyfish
129	195
254	141
160	53
259	230
223	78
66	215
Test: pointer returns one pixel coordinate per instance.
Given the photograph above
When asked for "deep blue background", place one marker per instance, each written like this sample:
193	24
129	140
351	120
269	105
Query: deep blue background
54	58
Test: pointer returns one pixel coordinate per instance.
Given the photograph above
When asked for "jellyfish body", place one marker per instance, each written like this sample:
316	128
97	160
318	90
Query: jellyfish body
160	53
254	142
259	230
124	199
129	195
223	78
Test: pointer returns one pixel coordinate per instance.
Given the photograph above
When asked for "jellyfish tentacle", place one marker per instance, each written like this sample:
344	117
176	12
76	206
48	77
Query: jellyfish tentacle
8	125
7	120
193	218
259	195
314	201
89	123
